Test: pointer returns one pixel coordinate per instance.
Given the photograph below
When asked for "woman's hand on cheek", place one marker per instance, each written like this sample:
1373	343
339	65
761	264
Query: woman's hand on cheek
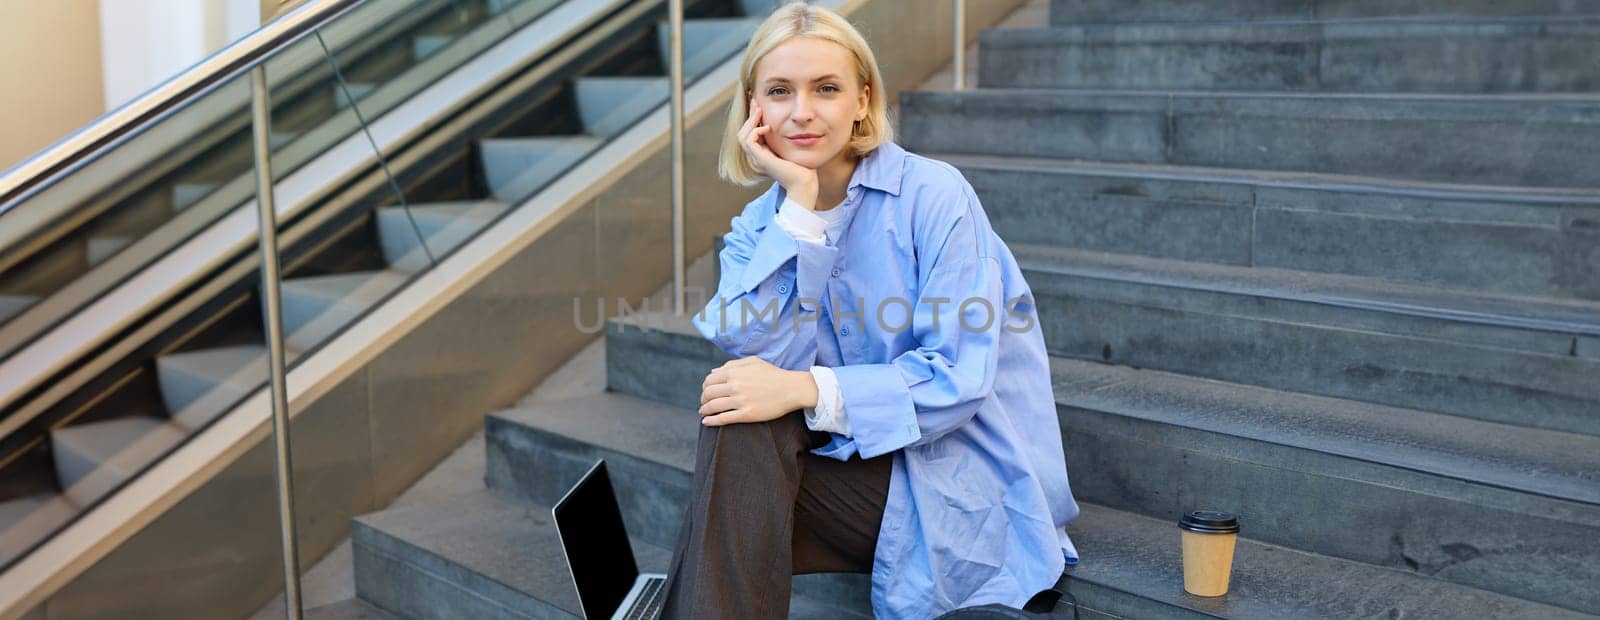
798	181
753	390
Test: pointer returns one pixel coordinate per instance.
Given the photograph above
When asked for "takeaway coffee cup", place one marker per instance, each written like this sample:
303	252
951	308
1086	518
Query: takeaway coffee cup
1208	538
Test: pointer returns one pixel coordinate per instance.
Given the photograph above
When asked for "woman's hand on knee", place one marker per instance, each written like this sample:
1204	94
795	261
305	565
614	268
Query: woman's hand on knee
751	389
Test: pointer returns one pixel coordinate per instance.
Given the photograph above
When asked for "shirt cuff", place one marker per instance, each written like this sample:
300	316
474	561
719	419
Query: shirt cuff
828	415
803	224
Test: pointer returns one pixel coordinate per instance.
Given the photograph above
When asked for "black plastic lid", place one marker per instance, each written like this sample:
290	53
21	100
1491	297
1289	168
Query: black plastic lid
1210	522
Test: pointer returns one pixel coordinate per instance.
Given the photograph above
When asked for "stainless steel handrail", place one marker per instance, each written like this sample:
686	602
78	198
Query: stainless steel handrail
675	11
27	178
272	315
959	62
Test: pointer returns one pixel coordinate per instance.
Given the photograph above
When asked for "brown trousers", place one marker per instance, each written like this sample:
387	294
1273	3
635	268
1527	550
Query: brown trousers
764	508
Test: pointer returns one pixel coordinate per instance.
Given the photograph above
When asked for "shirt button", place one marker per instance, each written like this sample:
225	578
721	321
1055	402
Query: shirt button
844	331
783	288
835	272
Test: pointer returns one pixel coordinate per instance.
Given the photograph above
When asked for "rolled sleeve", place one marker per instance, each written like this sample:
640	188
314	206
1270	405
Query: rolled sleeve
803	224
930	390
828	415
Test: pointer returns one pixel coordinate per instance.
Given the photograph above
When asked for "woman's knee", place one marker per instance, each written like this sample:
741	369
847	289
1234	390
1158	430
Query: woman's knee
786	434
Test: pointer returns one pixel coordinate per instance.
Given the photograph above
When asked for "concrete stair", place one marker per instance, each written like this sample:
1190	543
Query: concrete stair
485	554
1479	139
1307	261
1485	238
1463	56
1074	12
1510	360
1396	472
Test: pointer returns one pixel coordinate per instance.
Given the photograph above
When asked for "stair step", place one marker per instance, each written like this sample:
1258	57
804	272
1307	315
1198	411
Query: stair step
186	194
497	7
515	168
661	357
1492	506
25	521
1074	12
91	459
707	42
540	451
1132	568
1505	359
12	305
444	225
650	448
199	385
423	46
345	94
482	554
1489	238
316	307
1548	54
609	105
1277	458
1470	138
349	609
102	248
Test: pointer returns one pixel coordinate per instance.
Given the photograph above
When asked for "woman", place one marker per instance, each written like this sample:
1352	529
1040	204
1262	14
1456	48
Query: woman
890	408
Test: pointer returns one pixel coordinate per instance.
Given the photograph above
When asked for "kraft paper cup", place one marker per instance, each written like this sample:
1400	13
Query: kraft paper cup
1208	540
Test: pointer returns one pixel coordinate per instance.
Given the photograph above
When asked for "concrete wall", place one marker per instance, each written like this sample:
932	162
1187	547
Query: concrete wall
63	63
355	450
50	79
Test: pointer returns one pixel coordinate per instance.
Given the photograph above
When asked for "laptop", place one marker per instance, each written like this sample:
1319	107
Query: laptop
599	556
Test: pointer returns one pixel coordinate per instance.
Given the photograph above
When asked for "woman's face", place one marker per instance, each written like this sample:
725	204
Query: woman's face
808	93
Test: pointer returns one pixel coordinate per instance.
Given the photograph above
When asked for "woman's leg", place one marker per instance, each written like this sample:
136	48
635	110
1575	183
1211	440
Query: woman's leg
764	509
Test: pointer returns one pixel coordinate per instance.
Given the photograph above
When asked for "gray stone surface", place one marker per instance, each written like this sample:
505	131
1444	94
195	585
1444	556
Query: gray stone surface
486	555
1131	565
539	451
1550	54
1071	12
1319	334
1527	140
1300	468
481	555
349	609
1508	240
1500	508
645	357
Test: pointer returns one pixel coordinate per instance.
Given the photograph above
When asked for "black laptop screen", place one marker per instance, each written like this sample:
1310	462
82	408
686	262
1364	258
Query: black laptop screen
596	543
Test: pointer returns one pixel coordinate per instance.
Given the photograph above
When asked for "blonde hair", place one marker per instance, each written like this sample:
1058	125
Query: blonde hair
798	19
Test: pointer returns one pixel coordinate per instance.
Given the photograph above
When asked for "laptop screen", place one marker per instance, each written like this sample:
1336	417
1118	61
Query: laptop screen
596	543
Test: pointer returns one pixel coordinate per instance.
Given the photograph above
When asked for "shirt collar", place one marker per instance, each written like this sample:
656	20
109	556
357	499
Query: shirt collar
880	169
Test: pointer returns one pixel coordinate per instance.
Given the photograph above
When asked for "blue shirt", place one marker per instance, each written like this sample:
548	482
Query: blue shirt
957	390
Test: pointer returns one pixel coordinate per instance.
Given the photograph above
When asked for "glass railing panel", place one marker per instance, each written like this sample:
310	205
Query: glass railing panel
404	207
78	238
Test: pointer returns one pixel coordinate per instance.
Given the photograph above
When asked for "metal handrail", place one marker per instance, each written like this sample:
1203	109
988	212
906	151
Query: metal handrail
27	178
675	24
959	61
